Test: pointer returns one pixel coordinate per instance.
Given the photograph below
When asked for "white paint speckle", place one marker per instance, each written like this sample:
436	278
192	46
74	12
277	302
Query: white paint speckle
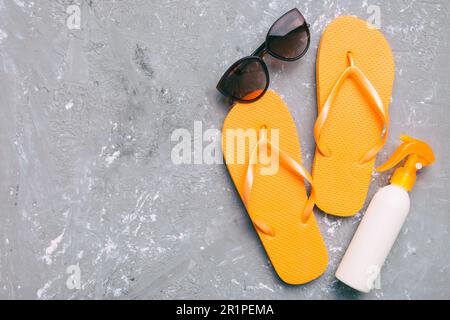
69	105
20	3
40	293
261	286
336	249
3	35
160	250
332	225
273	5
410	250
52	248
110	246
112	157
117	292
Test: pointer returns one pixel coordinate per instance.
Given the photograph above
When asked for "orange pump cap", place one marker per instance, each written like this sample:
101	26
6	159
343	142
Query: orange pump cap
419	155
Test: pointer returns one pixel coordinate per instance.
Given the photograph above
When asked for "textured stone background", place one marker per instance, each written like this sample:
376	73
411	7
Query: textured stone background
86	176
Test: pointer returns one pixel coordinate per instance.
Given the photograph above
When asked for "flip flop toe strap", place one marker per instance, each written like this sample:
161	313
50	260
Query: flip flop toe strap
291	164
370	92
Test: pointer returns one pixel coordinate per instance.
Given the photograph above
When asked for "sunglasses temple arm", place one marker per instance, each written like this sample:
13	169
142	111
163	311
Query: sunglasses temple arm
261	51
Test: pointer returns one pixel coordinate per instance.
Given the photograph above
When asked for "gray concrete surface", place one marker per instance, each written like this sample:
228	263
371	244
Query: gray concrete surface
86	177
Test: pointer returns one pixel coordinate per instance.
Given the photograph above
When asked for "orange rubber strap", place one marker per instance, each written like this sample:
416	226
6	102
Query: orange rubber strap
292	165
369	92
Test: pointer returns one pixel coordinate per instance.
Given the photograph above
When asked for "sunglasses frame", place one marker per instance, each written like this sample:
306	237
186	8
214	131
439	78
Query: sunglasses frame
259	54
237	63
265	44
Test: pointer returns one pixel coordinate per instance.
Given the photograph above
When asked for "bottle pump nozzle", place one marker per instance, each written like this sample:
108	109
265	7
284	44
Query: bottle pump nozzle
419	155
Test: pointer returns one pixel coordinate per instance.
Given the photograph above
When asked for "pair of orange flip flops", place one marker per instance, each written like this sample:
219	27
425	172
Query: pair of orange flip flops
355	74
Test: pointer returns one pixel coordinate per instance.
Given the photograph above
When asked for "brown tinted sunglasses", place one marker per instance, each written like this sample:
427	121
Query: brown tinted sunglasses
248	79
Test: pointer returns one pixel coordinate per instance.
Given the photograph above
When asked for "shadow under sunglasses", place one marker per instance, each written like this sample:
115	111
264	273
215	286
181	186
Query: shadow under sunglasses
248	79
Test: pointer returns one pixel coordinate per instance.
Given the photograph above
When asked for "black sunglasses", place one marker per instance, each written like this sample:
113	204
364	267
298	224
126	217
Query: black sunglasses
248	79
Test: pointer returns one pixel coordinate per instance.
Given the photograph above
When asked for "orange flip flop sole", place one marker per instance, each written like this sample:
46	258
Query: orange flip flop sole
297	250
352	126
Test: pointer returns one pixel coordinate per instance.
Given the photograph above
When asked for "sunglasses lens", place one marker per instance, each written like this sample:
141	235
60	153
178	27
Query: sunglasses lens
289	37
245	81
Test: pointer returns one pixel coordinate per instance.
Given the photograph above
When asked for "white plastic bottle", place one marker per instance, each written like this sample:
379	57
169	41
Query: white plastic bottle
384	218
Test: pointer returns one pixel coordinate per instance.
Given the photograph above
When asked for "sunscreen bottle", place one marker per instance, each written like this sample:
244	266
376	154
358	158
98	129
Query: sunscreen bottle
384	217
